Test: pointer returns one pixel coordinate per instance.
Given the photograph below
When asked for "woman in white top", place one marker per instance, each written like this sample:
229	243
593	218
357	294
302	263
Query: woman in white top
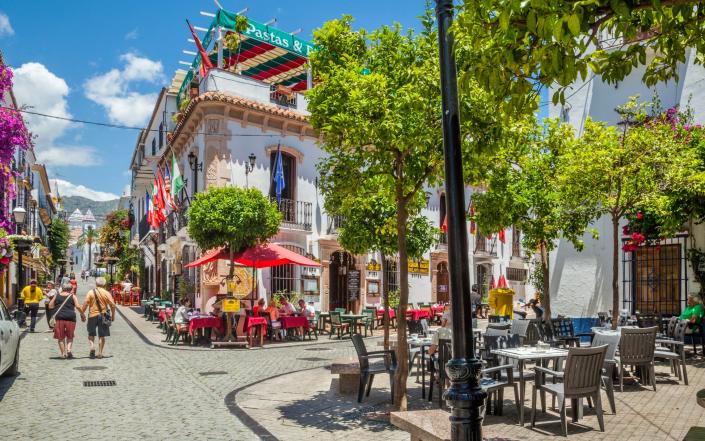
49	294
181	315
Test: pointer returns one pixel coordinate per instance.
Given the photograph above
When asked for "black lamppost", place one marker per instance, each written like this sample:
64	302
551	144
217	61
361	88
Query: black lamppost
195	167
465	397
19	214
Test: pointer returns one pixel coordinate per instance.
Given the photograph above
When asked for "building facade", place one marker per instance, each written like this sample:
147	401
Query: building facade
654	278
237	117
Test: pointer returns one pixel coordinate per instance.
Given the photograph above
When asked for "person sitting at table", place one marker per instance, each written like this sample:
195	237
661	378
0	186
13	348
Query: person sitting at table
446	320
286	307
274	319
693	312
306	310
259	307
181	318
443	333
534	305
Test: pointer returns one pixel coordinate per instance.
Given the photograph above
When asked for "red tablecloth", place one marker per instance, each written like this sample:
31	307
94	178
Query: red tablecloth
251	322
380	313
417	314
205	322
164	313
294	321
438	309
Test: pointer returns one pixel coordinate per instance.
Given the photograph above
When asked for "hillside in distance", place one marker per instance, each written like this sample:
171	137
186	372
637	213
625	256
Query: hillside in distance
99	208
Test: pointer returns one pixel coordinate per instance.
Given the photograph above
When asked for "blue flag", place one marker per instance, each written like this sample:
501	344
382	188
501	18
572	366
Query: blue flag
279	175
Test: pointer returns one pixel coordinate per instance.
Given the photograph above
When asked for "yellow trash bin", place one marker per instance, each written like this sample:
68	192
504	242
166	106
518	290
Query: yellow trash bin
501	301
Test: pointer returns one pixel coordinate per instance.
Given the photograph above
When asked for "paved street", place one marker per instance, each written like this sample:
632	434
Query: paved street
161	393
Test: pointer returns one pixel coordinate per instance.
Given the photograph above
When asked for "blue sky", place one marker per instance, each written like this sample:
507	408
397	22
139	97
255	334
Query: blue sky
106	61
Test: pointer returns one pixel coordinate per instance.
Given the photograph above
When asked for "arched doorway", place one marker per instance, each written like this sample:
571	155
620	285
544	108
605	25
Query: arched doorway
340	263
442	285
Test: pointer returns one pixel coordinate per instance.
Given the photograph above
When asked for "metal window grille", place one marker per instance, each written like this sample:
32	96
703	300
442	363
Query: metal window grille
516	274
391	274
287	278
516	242
277	97
655	277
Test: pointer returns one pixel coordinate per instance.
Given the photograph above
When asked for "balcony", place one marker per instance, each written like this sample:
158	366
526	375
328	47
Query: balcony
142	228
175	222
296	215
485	246
442	241
334	222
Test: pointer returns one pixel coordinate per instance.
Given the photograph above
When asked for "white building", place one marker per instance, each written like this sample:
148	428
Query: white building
648	280
228	135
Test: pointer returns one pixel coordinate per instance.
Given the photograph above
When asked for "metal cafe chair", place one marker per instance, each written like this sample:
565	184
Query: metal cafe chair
369	370
636	348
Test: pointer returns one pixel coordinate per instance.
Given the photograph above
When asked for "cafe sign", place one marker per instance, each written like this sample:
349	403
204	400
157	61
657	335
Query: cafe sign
420	266
231	305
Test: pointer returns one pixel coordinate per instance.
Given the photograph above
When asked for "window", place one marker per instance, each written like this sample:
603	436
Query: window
391	274
161	135
516	274
289	167
287	278
154	146
516	242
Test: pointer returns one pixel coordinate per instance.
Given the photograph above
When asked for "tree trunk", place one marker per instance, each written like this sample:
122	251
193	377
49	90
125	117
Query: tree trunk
546	275
90	255
615	271
400	399
384	292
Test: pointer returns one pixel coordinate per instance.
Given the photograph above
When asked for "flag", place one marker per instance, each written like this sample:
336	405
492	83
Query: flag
167	189
148	207
205	60
158	200
502	238
444	227
177	182
279	175
493	284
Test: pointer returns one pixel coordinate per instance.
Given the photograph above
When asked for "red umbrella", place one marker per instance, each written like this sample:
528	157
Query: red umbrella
502	282
259	256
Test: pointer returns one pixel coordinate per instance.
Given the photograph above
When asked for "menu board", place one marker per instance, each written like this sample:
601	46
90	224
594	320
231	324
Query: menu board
353	285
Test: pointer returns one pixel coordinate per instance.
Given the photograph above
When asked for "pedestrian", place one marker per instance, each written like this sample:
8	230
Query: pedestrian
31	295
538	310
101	313
476	302
64	305
51	293
74	283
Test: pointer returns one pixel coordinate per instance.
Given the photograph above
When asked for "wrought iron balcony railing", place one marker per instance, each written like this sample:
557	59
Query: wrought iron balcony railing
296	214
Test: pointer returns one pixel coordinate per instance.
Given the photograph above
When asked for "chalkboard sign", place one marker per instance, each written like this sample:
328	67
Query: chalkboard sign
353	285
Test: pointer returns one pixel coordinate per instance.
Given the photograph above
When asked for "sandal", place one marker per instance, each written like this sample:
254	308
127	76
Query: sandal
99	356
70	355
91	355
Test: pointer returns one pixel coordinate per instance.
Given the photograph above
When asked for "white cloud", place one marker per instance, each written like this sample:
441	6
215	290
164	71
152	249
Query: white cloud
112	90
67	188
5	26
132	35
28	80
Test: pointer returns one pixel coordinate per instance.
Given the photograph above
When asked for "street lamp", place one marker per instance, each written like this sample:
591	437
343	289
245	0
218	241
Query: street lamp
19	214
195	167
465	397
249	166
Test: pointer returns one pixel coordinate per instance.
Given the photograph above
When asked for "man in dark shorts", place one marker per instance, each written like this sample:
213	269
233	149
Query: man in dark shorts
97	302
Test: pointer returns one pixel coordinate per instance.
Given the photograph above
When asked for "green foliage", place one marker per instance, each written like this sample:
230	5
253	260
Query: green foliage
512	46
232	217
232	40
393	297
697	262
291	297
58	240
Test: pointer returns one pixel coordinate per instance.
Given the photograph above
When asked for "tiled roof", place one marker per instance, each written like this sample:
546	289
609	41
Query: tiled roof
240	101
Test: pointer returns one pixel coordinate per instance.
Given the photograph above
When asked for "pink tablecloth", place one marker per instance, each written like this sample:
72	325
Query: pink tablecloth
418	314
164	313
380	313
205	322
294	321
438	309
251	322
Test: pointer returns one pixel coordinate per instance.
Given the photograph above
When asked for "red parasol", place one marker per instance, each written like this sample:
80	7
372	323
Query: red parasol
259	256
502	283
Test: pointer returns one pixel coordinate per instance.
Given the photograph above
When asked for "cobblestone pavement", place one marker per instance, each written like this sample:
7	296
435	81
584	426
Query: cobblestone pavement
160	393
279	392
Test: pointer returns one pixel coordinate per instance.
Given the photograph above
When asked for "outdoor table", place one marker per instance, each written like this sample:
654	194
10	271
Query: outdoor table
352	318
438	309
164	313
392	313
522	355
205	322
294	321
251	322
418	314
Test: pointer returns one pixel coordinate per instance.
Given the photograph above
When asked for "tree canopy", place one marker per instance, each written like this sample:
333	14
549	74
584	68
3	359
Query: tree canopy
234	217
58	240
515	47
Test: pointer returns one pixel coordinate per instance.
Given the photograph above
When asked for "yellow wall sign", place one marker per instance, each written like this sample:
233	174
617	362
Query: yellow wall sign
231	305
374	266
418	266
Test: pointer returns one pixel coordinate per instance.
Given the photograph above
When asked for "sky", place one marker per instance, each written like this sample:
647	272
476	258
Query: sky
106	62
